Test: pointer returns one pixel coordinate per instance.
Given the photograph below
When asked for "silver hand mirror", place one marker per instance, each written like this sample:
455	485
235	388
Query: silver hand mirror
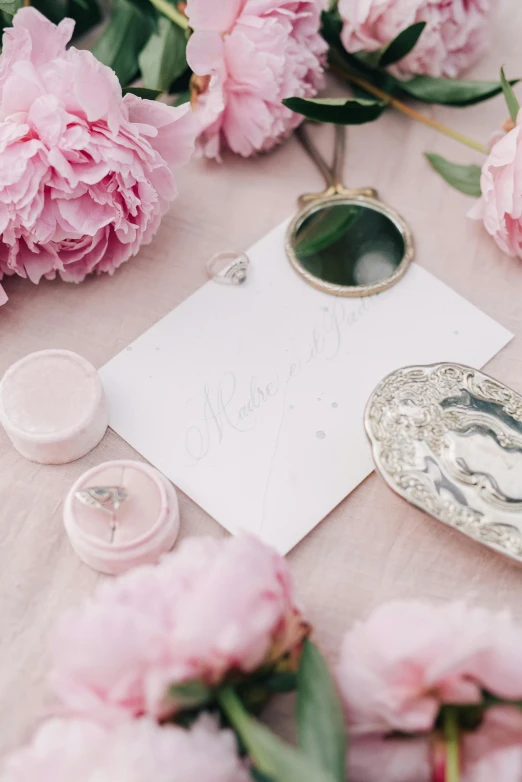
346	242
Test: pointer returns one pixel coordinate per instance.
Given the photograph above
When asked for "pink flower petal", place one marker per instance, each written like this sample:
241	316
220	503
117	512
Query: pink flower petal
213	16
65	750
455	36
398	668
205	52
269	51
210	607
82	185
49	40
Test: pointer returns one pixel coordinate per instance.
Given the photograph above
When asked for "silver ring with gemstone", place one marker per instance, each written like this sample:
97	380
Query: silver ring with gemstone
228	267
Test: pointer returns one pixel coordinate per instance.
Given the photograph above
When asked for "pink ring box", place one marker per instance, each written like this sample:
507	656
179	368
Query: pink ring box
147	522
53	406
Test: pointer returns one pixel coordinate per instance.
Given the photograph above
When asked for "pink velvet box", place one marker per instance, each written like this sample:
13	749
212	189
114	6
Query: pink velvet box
147	522
53	406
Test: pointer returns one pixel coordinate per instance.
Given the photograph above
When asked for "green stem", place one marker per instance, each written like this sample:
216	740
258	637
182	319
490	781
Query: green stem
399	105
240	720
451	735
235	711
171	12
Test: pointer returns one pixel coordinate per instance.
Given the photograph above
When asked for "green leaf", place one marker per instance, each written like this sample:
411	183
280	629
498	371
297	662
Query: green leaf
55	10
451	92
340	111
352	64
86	13
125	35
401	45
369	59
271	756
331	31
282	682
361	93
190	694
331	26
10	7
463	178
142	92
511	99
325	229
320	723
183	97
259	776
163	58
146	7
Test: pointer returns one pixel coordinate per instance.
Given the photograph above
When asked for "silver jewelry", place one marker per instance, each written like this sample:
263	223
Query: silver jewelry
448	439
228	267
105	498
346	241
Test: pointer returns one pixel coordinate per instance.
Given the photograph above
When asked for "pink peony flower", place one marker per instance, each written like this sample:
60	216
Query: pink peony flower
457	32
247	56
211	607
505	766
486	755
84	173
372	758
500	206
136	751
408	659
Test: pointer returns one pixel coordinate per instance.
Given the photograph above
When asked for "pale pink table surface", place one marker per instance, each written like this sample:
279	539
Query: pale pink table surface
373	547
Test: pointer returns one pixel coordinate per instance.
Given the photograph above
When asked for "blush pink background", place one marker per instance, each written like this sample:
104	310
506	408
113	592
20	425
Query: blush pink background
373	546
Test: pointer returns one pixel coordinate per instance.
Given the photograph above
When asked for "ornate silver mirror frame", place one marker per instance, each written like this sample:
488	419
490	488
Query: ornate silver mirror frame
336	193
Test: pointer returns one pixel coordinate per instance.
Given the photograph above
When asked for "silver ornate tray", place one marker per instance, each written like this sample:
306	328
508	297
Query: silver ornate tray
448	439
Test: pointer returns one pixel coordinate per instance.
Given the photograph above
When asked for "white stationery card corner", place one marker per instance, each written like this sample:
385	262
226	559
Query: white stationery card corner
250	398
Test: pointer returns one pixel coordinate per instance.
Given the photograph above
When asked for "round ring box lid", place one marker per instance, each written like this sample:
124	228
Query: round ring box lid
146	524
53	406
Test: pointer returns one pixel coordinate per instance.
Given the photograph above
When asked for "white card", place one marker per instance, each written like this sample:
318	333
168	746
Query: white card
251	398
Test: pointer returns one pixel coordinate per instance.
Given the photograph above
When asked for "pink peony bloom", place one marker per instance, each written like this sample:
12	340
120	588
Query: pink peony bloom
486	755
211	607
372	758
136	751
408	659
247	56
457	32
84	173
504	766
500	206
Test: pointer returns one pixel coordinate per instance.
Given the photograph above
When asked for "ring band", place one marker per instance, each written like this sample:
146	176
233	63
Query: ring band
107	499
228	267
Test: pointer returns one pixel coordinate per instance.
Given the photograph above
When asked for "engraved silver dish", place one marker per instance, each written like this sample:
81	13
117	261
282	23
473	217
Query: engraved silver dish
448	439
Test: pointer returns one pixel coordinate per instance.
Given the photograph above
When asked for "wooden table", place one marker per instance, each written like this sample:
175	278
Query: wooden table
373	547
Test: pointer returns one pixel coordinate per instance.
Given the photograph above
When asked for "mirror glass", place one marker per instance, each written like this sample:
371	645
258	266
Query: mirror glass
348	244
